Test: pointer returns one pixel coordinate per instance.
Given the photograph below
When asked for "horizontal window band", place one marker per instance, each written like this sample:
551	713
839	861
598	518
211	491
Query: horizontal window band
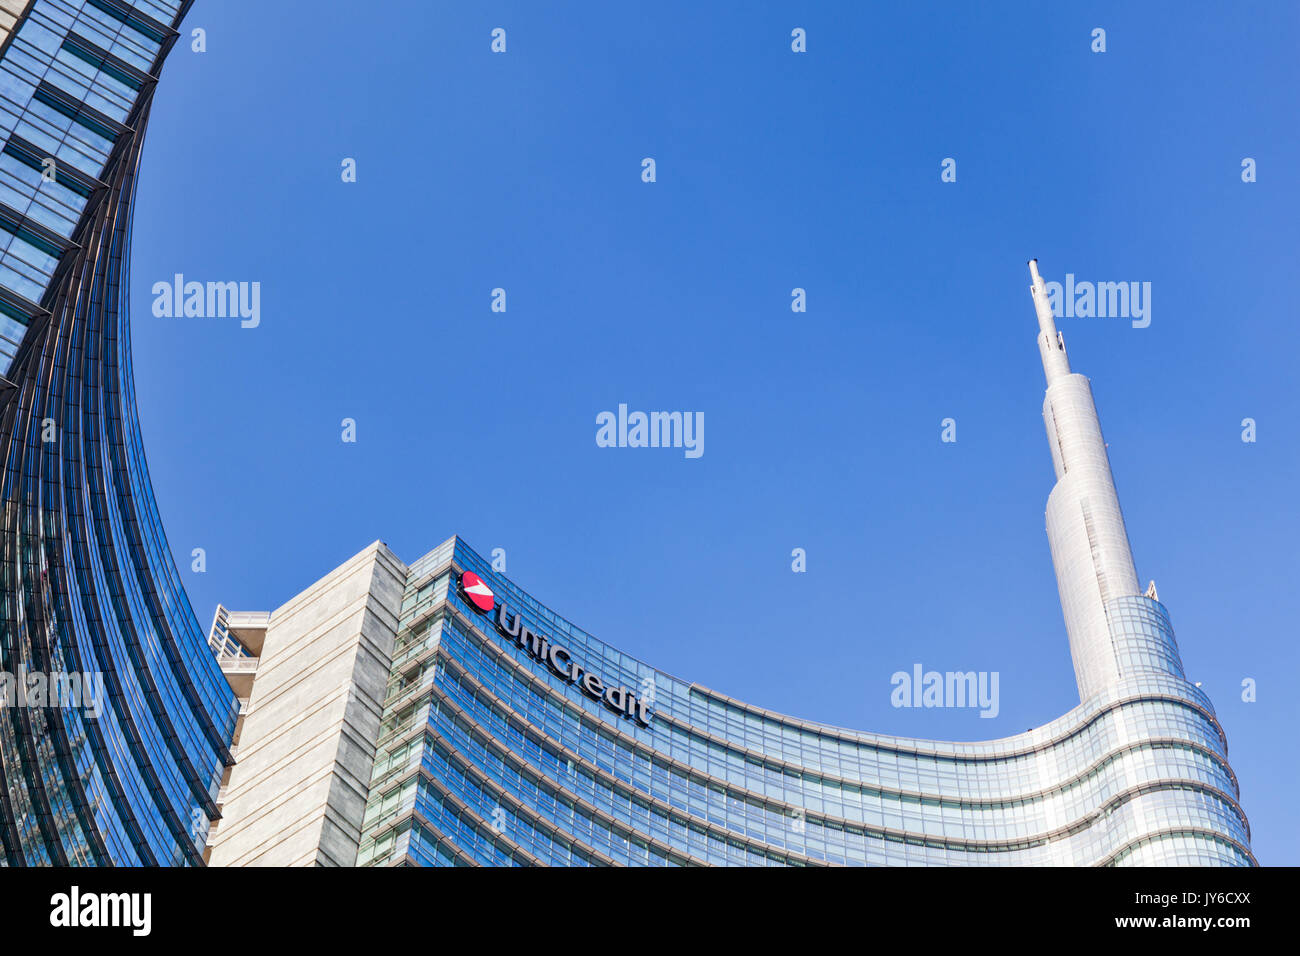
139	22
65	174
20	308
73	108
101	59
33	233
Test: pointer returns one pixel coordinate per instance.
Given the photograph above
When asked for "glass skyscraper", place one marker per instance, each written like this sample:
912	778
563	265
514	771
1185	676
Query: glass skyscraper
437	714
493	751
487	754
461	721
88	587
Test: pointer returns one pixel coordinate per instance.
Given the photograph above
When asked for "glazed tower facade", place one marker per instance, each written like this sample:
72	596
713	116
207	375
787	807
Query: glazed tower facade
489	752
505	735
88	585
436	713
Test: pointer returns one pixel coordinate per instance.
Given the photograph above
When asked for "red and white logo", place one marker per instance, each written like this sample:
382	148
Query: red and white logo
478	593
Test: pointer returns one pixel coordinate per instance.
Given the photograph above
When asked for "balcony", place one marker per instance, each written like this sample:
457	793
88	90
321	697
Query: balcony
239	672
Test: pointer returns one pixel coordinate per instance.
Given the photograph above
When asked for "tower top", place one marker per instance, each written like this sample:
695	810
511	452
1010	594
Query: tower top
1051	344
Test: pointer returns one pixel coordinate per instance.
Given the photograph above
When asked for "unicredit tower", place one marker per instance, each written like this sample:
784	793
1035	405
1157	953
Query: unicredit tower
437	714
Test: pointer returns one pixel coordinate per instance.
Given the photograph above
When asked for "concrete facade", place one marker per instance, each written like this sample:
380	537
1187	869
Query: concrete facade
10	12
297	793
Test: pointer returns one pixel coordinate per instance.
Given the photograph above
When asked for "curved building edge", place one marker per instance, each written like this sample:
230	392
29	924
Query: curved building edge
1137	774
128	771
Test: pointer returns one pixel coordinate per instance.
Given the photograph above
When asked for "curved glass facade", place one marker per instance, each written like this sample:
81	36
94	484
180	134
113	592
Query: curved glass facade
87	582
489	755
508	736
521	739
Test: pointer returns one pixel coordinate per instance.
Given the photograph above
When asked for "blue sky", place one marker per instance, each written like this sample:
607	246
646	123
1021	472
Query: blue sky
775	170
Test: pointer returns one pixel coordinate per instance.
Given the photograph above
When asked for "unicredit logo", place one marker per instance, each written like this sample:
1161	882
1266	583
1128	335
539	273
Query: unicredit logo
476	592
557	657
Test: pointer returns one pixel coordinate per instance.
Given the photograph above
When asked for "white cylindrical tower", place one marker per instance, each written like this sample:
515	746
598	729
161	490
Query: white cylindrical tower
1085	527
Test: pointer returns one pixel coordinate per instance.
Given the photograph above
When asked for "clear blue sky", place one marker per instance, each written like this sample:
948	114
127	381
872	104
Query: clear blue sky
775	171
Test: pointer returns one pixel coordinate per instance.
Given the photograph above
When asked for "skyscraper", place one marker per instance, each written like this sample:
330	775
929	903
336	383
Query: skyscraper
436	713
506	735
1085	528
118	758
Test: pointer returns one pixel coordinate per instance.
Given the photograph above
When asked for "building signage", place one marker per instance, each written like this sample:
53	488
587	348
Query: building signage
555	656
476	592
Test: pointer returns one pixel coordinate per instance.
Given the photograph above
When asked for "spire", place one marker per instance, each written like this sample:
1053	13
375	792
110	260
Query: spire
1051	344
1085	527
